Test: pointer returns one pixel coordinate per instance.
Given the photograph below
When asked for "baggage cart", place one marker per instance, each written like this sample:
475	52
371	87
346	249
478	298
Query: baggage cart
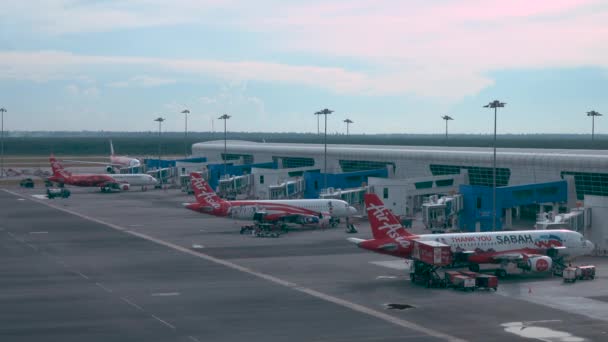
448	276
586	272
485	281
464	283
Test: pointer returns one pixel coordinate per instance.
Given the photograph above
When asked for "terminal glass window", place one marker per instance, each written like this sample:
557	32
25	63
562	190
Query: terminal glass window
293	162
247	158
444	182
424	185
385	193
477	175
363	165
261	179
589	183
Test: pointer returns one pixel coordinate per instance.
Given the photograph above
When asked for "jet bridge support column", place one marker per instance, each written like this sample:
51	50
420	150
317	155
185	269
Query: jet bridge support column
508	218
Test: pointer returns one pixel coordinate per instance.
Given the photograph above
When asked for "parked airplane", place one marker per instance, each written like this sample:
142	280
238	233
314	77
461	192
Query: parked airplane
119	162
300	211
530	250
104	181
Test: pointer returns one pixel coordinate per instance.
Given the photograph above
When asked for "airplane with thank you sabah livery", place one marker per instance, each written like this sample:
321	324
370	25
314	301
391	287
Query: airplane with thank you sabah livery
320	212
529	250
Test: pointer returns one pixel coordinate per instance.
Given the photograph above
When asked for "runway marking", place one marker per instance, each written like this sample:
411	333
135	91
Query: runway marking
386	277
41	197
163	322
165	294
32	246
394	264
194	339
41	232
81	274
126	300
20	199
104	288
319	295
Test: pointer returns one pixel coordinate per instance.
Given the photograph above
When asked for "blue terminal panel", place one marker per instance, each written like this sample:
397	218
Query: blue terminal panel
314	180
216	171
155	163
478	201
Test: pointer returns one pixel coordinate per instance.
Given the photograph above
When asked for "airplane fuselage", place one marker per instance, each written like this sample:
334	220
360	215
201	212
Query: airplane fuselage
486	246
84	180
245	210
135	179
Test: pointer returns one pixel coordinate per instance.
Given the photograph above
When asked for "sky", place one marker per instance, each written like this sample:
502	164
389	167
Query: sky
389	66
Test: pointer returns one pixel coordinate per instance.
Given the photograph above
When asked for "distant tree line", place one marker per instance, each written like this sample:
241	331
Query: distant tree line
146	143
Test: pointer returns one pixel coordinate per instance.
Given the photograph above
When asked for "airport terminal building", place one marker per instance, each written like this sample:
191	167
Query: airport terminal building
589	168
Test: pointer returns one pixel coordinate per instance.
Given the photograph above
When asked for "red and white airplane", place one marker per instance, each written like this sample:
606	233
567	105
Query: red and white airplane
103	181
120	162
62	176
301	211
530	250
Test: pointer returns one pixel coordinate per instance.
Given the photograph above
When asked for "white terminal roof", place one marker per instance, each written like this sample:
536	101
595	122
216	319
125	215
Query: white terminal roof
564	157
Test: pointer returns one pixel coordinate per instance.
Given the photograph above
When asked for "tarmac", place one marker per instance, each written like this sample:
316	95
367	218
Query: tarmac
137	266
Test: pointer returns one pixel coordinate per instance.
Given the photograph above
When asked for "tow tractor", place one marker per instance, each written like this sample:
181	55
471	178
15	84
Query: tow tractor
57	192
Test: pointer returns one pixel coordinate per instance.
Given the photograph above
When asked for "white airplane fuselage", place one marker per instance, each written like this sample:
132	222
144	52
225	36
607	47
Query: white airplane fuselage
245	210
135	179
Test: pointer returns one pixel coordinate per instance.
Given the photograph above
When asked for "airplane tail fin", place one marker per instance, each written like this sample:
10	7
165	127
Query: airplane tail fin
111	148
203	192
382	221
57	168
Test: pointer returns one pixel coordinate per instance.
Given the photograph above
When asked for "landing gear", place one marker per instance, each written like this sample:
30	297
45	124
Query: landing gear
350	228
500	273
474	267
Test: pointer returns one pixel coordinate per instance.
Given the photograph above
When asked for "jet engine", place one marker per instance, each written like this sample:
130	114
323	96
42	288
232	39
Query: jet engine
124	186
540	264
109	169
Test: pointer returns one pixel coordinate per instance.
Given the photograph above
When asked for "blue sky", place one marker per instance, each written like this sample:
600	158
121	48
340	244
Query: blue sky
390	66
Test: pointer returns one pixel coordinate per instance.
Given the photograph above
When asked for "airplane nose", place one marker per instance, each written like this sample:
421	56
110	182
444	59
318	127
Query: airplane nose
590	245
352	210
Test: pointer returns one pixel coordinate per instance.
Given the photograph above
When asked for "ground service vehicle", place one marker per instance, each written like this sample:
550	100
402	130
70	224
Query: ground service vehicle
26	183
57	192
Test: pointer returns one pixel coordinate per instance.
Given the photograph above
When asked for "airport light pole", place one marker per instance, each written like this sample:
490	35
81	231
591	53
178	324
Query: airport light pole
224	117
2	110
348	122
446	118
494	104
593	114
160	122
325	112
318	114
186	112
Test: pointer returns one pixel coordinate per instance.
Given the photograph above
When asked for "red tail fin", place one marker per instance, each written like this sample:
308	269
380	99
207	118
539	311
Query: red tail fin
383	223
58	169
203	192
